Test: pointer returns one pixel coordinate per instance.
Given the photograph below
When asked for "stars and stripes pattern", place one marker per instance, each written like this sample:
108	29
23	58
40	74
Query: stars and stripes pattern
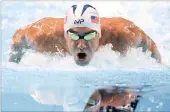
95	19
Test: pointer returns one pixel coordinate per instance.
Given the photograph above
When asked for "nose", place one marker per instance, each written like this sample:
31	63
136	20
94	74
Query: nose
81	44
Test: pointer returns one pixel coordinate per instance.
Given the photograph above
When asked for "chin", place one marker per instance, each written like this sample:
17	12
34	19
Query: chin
82	63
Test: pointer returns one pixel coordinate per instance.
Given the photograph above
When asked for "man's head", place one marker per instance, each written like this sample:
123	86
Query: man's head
82	32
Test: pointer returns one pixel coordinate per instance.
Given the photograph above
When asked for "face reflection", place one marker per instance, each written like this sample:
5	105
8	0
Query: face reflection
82	50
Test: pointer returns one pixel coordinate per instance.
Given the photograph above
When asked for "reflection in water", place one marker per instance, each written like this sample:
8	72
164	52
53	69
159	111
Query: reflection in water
152	98
114	99
73	91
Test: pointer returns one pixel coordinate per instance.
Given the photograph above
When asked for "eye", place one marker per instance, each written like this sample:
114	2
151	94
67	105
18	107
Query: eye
90	36
73	36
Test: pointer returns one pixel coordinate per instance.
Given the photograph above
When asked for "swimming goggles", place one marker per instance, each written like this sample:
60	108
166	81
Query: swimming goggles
81	35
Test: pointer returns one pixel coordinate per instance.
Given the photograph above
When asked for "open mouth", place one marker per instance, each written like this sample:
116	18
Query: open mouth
81	56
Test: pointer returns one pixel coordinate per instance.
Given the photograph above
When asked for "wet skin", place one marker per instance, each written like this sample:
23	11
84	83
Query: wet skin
81	49
47	35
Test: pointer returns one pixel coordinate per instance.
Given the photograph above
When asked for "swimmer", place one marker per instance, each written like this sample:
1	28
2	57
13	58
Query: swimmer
81	33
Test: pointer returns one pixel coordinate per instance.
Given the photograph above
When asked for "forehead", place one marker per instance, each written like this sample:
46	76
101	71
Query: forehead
81	29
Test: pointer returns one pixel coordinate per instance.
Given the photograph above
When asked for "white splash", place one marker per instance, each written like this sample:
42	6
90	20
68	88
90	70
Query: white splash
105	58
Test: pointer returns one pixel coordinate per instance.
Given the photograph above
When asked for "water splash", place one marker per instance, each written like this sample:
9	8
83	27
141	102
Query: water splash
104	58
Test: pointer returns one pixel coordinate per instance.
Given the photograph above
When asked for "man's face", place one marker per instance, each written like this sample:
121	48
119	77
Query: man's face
82	43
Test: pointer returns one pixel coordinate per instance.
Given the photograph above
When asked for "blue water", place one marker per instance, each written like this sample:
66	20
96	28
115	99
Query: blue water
47	83
18	87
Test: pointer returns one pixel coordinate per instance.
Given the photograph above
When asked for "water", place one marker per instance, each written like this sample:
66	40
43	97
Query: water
43	83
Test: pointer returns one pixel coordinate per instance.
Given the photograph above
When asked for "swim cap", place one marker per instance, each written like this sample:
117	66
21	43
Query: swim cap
82	16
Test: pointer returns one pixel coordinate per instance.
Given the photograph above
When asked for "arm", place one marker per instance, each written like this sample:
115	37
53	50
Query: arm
148	44
137	37
140	39
17	46
124	34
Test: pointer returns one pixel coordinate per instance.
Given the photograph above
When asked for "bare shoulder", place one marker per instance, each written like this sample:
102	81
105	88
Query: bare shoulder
19	34
47	34
46	28
118	27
